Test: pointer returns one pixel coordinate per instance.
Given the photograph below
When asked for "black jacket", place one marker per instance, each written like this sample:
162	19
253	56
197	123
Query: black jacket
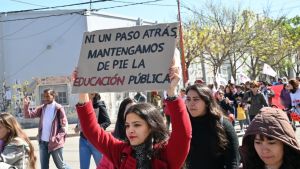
103	118
203	153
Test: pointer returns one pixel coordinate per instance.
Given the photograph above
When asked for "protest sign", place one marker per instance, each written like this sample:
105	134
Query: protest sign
126	59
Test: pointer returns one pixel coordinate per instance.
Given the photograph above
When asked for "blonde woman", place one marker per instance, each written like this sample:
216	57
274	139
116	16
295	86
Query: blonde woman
16	149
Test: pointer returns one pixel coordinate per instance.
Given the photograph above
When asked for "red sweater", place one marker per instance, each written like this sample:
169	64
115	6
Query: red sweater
118	152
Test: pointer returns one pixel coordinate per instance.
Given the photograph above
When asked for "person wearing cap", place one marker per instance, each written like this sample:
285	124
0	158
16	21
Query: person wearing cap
270	142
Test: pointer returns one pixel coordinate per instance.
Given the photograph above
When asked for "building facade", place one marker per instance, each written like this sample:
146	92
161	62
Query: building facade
41	49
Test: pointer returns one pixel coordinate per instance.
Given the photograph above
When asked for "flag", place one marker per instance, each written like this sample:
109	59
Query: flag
220	80
243	78
268	70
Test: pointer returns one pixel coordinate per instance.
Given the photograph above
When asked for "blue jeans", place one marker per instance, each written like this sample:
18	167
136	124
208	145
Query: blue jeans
56	156
86	150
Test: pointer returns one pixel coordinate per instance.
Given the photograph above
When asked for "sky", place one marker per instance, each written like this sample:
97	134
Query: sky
156	10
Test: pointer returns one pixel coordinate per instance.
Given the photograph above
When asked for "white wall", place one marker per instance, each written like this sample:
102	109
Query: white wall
50	46
41	47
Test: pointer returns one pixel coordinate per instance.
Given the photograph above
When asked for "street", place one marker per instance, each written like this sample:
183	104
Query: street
71	154
71	149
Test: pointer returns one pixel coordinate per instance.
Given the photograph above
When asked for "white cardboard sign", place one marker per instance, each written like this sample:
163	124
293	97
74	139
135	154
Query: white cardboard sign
126	59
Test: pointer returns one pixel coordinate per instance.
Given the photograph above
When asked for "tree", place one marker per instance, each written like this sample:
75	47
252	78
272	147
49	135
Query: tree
268	45
218	35
291	35
217	48
194	38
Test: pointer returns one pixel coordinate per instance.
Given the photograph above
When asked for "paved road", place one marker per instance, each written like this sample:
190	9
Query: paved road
71	149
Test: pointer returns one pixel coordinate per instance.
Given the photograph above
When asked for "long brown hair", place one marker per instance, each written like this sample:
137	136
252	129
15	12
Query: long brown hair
159	133
154	119
15	130
214	113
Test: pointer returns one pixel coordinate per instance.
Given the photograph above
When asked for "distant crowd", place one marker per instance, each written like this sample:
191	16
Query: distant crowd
190	128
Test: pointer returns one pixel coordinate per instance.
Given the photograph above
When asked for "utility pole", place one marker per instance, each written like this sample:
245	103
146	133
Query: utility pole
184	71
91	5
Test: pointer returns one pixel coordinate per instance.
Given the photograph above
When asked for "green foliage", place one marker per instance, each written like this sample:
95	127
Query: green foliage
242	37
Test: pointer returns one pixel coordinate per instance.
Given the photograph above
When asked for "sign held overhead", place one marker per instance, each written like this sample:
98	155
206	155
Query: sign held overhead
126	59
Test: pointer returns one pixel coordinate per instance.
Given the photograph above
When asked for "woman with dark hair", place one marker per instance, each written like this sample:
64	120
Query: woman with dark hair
285	96
147	144
214	143
119	131
270	142
16	148
229	92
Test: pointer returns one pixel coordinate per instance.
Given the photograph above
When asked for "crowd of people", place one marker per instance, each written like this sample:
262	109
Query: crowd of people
194	129
207	138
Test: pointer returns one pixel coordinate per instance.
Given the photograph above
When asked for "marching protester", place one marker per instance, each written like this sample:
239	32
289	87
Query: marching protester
52	128
294	114
147	144
241	113
267	92
255	98
229	93
119	131
295	94
156	100
226	105
16	148
270	142
214	143
86	149
285	96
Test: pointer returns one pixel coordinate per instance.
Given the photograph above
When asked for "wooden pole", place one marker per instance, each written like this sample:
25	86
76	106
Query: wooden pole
184	71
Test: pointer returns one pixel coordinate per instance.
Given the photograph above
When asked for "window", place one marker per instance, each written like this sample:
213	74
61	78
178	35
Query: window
61	98
61	91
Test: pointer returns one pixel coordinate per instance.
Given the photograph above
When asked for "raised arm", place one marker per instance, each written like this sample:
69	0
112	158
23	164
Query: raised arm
179	143
30	113
103	141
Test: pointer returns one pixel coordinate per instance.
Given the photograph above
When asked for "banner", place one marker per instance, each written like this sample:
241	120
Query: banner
126	59
268	70
243	78
220	80
276	99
